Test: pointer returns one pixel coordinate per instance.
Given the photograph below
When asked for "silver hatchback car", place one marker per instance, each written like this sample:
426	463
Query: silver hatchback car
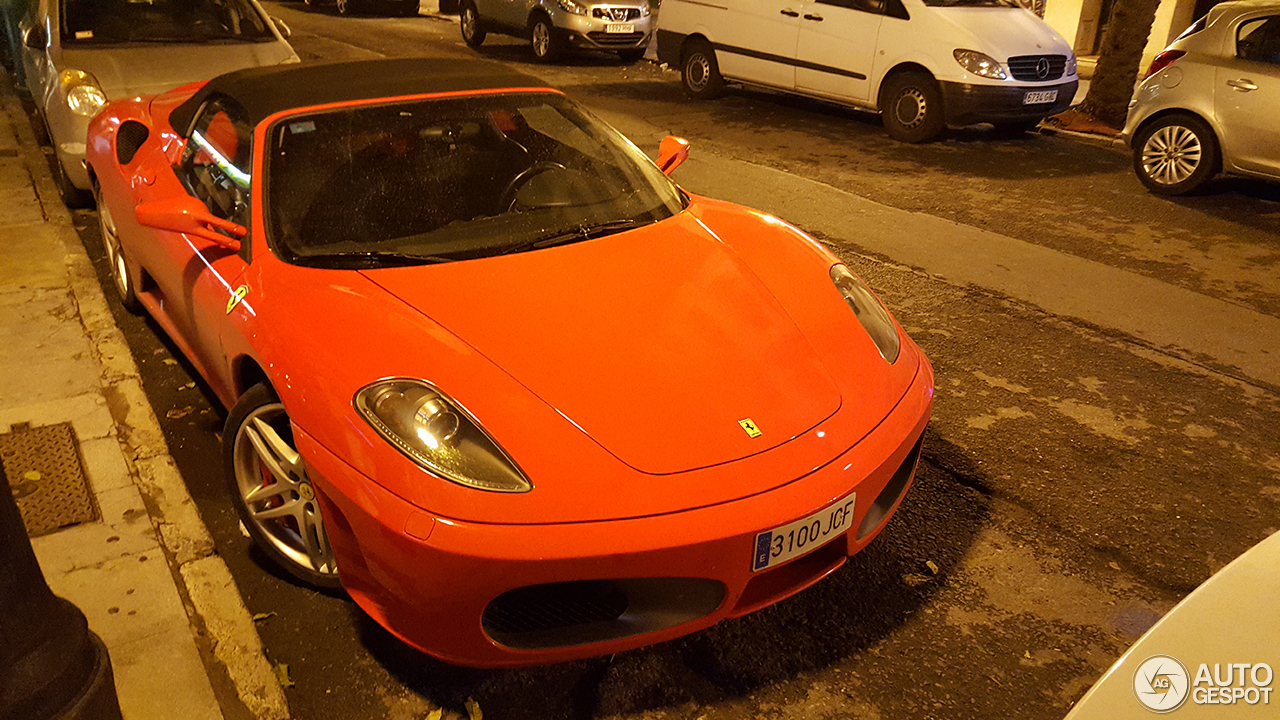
552	26
79	54
1211	101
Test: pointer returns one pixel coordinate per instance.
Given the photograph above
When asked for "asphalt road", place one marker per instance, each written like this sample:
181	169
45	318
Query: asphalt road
1076	480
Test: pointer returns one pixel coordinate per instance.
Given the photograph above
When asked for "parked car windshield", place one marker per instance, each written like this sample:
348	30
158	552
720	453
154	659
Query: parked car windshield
97	22
453	179
971	3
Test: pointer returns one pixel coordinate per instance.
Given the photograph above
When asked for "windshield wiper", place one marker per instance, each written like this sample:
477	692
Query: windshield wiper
584	231
376	258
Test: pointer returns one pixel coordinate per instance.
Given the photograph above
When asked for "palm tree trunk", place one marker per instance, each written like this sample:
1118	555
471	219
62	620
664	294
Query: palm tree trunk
1122	46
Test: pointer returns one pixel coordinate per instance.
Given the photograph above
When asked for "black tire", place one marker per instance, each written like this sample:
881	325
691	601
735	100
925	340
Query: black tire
72	196
633	55
545	40
700	72
1176	154
122	275
911	107
473	32
293	535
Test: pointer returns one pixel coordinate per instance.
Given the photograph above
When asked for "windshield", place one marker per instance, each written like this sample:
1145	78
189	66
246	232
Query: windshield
453	179
160	21
971	3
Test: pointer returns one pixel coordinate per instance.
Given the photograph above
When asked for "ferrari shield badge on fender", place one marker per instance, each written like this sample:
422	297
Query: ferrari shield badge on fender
750	426
236	296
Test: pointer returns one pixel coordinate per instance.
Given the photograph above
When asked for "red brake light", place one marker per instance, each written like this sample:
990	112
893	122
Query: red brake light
1162	61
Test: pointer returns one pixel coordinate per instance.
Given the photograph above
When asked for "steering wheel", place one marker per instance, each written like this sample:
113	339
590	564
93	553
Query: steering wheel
507	199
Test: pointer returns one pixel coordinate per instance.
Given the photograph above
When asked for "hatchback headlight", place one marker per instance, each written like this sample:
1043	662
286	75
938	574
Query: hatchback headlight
572	7
980	64
436	433
871	313
84	95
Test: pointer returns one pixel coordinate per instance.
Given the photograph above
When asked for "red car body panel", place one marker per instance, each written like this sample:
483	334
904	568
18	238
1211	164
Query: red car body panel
614	371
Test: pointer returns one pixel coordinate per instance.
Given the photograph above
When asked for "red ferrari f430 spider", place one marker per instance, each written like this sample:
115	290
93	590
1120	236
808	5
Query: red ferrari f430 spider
490	370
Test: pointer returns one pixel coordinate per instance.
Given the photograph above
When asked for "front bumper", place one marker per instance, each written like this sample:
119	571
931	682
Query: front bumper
968	103
479	594
590	32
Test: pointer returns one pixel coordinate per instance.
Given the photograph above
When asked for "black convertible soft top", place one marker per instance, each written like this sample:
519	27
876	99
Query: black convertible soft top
265	91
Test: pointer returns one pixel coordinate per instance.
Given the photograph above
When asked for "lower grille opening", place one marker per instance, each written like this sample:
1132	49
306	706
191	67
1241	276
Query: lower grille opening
888	497
773	585
587	611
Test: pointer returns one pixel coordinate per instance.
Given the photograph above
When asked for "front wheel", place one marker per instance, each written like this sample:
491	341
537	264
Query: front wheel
911	107
700	72
126	286
1175	155
547	45
272	491
469	21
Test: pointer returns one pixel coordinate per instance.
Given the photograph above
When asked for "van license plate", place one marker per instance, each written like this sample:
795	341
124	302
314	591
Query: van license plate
1039	96
626	28
779	545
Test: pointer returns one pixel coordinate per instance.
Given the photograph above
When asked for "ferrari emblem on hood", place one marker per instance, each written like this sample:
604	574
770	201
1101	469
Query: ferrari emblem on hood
750	426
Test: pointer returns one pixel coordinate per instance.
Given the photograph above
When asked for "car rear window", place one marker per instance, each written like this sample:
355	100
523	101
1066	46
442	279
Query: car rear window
90	22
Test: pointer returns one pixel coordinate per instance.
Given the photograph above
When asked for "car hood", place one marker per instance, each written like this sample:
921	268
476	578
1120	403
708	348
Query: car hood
127	71
655	342
1004	32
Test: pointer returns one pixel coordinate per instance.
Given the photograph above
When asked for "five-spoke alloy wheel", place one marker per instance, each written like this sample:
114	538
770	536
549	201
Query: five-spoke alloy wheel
272	491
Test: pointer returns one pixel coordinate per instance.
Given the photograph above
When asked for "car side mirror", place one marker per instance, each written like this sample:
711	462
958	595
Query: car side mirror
285	32
188	215
36	39
673	151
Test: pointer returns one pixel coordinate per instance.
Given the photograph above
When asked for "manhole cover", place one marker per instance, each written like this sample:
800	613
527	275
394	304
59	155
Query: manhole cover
46	477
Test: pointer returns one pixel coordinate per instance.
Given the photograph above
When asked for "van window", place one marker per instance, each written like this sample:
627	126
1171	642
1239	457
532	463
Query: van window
971	3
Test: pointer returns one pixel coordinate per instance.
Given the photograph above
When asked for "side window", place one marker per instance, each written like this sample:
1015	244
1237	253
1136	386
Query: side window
216	163
1259	40
876	7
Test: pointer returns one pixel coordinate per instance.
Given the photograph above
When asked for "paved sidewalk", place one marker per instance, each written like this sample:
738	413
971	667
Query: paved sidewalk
145	573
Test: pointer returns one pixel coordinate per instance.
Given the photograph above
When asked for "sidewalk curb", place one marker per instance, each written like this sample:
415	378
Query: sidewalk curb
210	596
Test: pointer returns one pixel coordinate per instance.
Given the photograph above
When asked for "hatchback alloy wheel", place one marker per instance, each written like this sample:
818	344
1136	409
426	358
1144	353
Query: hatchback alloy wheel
1175	155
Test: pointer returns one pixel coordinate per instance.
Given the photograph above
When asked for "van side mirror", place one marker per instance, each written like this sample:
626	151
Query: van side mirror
36	39
189	216
673	151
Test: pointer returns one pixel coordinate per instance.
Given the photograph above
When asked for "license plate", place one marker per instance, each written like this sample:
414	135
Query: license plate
802	536
1039	96
624	28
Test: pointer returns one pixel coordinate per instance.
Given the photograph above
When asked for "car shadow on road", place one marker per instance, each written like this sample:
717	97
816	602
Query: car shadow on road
839	619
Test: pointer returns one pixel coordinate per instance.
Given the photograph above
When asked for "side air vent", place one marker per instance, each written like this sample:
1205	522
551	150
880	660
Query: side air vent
129	138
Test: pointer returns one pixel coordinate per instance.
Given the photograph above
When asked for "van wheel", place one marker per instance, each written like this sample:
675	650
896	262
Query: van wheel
911	107
1175	155
469	21
700	71
547	45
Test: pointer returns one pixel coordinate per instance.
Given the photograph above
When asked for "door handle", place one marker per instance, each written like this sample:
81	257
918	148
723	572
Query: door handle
1243	84
790	13
815	18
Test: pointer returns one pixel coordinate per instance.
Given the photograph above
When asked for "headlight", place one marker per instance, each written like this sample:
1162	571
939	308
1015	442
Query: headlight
571	6
980	64
435	432
1071	65
645	10
84	97
874	318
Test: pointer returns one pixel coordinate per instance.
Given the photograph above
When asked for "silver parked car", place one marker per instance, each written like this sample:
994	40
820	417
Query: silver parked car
552	26
79	54
1211	101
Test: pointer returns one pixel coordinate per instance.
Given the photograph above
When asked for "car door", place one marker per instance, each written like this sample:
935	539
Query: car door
199	280
1247	95
755	41
837	47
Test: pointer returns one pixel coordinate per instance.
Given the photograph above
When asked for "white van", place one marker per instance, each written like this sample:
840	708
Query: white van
923	64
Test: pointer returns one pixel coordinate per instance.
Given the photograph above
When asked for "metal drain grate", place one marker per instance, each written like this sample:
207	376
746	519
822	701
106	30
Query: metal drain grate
47	479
